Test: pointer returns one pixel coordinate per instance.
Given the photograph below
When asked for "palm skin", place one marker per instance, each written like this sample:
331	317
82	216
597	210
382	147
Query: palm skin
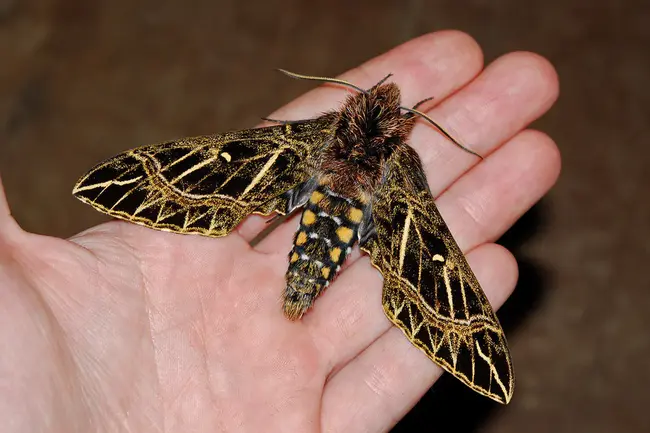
123	328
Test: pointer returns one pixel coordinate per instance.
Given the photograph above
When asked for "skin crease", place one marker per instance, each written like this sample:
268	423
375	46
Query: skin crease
122	328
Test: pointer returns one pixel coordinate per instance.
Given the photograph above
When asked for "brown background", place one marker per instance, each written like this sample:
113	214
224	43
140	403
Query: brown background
81	80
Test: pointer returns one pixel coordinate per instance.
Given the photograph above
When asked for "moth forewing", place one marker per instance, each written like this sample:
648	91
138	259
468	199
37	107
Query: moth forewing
430	291
205	185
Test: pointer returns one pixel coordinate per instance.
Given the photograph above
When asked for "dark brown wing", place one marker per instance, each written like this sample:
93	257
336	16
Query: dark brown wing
430	291
208	184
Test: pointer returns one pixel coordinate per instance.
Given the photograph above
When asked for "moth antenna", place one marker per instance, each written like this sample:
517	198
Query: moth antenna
441	129
325	79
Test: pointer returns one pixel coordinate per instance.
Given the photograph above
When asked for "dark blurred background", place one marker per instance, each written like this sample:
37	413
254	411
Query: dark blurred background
81	80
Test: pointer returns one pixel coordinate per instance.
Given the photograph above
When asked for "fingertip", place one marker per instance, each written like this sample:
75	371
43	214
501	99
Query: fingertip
497	271
538	166
460	43
449	55
532	71
545	149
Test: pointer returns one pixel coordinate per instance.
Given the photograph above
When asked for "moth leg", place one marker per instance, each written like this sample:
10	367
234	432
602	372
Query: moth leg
382	81
299	195
296	197
285	203
419	103
367	229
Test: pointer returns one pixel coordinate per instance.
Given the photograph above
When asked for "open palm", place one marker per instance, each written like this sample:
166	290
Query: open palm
123	328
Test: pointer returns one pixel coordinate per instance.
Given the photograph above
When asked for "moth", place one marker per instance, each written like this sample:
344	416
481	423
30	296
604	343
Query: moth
357	181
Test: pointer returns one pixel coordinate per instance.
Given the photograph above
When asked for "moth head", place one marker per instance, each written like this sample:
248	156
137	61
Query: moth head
371	123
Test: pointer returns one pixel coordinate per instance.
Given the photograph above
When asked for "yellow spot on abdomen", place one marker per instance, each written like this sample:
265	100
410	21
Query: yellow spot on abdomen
335	254
226	156
301	238
316	197
294	257
355	215
325	272
344	234
308	217
364	199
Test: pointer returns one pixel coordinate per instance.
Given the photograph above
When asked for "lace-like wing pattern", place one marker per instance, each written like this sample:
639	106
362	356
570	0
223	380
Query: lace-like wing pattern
206	185
430	291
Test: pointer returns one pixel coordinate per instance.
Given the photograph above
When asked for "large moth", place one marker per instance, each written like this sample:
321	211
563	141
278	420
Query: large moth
357	180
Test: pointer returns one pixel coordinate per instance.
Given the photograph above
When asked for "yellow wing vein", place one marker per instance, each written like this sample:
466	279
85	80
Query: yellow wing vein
457	327
261	173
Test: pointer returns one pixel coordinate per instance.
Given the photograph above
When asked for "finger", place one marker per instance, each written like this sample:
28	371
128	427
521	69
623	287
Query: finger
512	92
348	317
377	388
435	64
432	65
481	206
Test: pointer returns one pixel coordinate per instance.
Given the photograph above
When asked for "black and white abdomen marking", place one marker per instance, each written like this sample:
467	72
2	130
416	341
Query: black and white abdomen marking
328	229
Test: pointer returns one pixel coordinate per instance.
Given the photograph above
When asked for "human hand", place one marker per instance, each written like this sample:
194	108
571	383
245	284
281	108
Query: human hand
127	328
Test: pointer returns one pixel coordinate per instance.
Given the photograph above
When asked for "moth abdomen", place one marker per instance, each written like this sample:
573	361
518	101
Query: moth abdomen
328	229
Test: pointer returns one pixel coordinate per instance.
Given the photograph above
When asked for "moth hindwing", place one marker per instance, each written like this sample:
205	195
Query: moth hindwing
357	181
